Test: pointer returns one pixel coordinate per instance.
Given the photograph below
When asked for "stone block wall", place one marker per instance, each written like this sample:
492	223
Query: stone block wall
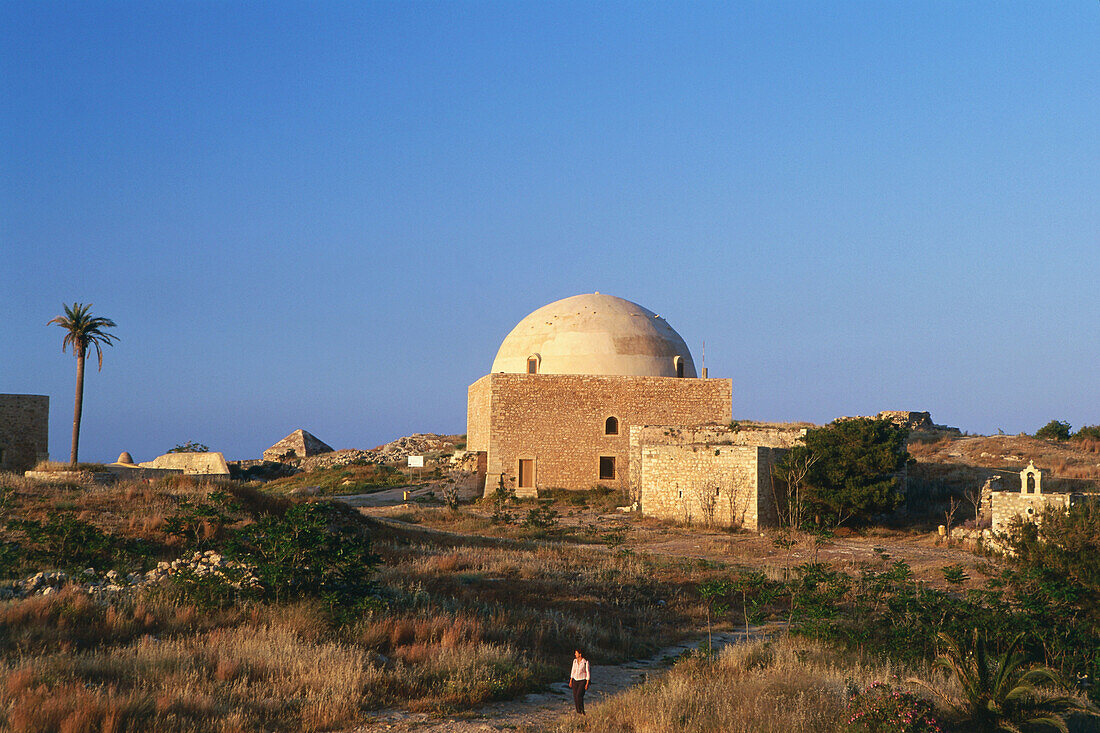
478	400
708	484
198	464
24	431
651	435
558	421
1009	504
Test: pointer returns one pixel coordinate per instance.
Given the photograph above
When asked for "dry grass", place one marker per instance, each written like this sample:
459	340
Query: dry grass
790	685
349	479
72	664
249	677
460	621
56	466
1069	459
544	597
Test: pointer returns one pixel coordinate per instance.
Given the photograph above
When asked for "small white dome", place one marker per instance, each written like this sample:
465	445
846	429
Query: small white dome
595	334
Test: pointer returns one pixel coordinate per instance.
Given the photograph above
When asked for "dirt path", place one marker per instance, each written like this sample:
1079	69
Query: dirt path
540	710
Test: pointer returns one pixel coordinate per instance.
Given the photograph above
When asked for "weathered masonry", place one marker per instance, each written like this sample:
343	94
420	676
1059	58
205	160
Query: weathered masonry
1027	503
24	431
568	384
573	431
710	475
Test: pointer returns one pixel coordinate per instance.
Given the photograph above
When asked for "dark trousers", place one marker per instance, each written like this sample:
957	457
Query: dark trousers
578	694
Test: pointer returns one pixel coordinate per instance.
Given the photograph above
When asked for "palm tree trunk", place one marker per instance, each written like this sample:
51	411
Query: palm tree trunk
78	407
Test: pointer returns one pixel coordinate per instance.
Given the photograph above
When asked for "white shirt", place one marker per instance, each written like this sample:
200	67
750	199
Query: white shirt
580	669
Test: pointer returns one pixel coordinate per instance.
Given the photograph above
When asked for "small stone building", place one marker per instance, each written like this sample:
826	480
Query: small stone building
1028	502
208	464
297	445
710	475
568	384
24	431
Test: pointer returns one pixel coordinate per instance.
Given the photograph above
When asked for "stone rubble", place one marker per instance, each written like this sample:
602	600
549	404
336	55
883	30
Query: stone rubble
419	444
209	563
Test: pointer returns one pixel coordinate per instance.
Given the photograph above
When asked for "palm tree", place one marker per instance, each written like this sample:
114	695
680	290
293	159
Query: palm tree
82	330
1001	694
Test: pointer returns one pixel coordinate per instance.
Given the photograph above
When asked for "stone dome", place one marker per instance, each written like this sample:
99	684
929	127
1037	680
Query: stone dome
595	334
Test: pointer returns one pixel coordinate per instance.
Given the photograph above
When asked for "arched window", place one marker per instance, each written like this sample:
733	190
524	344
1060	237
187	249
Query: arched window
1031	483
679	361
611	426
533	364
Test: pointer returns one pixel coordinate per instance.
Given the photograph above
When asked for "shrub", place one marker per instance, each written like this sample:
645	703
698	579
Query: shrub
67	543
881	708
541	517
313	548
190	447
853	468
1087	432
1053	430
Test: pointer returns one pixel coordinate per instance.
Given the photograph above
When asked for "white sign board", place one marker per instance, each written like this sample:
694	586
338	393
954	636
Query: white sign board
416	461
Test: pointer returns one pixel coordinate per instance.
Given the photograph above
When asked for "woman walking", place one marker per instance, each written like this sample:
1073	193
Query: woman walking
578	679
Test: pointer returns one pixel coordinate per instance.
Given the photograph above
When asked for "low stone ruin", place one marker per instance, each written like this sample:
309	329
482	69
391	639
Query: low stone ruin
201	564
397	451
914	421
296	446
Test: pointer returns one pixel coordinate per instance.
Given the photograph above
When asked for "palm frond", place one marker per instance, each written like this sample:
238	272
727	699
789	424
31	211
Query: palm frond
83	330
1052	720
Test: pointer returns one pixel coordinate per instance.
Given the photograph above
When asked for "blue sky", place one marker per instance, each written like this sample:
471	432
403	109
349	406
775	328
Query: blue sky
329	215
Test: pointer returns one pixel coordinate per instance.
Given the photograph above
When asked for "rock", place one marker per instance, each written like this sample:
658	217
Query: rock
306	491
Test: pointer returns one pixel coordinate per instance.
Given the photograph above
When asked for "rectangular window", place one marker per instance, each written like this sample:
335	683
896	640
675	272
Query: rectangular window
532	366
607	467
527	473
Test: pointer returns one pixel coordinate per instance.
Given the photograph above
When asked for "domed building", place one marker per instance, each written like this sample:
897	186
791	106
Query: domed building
571	382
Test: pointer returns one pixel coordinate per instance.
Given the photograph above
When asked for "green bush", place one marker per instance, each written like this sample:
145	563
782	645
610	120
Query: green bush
541	517
190	447
1053	430
64	542
853	469
1087	432
311	549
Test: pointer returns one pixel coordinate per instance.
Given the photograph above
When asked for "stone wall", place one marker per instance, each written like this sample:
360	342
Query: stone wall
1009	504
750	435
197	464
558	421
24	431
698	483
478	400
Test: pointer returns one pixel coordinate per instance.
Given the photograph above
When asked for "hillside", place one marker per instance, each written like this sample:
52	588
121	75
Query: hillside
1067	464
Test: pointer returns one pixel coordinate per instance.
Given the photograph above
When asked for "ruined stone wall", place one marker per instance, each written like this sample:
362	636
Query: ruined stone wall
649	435
1009	504
24	431
558	420
201	464
709	484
